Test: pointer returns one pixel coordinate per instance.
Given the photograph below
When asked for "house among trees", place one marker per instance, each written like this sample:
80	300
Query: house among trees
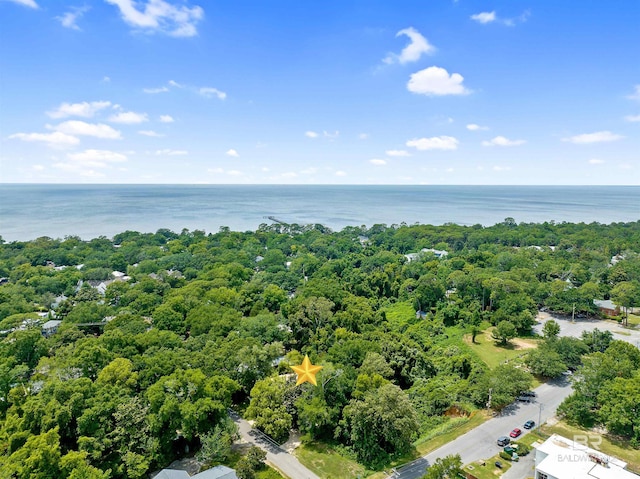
50	327
218	472
607	307
437	252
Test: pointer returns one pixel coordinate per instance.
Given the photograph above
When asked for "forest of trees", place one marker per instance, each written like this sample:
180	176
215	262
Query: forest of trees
203	322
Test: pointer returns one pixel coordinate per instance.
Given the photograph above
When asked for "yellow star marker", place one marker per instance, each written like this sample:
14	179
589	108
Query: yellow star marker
306	372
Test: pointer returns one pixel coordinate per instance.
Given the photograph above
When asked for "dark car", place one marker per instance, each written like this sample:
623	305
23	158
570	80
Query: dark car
530	394
529	424
515	433
503	441
525	398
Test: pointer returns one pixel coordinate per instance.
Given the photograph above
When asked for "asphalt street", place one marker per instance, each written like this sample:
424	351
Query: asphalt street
480	443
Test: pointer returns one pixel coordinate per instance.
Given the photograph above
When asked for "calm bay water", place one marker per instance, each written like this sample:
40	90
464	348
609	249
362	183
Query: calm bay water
89	211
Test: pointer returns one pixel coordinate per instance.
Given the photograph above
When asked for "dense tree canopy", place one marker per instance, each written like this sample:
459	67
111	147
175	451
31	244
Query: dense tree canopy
162	332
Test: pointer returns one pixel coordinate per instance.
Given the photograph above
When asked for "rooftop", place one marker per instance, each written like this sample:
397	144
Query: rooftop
566	459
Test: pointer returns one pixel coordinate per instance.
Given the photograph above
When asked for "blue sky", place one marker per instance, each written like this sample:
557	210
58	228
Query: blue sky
340	92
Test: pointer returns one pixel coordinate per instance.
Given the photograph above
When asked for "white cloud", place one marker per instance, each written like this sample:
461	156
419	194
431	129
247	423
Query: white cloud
82	128
597	137
208	92
434	143
153	91
169	152
105	79
484	17
341	173
309	171
264	168
501	168
636	94
150	133
363	136
632	118
26	3
215	170
418	46
38	167
129	118
70	18
377	162
596	161
311	134
97	158
53	139
474	127
436	81
166	119
502	141
84	109
233	153
175	84
332	136
397	153
160	16
490	17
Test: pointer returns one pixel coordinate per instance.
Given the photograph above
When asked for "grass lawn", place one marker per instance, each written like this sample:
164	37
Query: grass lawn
327	463
634	320
269	473
493	355
612	446
489	470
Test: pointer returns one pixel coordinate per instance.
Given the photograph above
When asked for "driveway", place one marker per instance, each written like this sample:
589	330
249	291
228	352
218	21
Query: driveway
281	459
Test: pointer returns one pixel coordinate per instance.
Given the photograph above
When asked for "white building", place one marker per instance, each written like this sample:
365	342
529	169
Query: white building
562	458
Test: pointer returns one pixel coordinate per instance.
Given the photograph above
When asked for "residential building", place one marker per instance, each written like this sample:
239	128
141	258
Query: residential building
607	307
50	327
218	472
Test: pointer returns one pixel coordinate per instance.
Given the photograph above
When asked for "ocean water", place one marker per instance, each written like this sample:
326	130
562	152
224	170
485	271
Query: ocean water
31	211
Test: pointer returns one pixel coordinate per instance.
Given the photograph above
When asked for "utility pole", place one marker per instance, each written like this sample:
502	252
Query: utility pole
573	314
540	417
489	401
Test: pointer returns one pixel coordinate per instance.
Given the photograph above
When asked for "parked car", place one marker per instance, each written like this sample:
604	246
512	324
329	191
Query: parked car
530	394
498	464
529	424
516	432
503	441
525	398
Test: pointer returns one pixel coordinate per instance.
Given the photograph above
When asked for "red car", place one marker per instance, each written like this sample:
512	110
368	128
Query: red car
515	433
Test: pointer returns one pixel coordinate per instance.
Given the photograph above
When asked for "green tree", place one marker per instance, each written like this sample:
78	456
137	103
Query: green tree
545	361
381	424
448	467
216	445
503	332
620	406
626	294
268	409
596	340
551	329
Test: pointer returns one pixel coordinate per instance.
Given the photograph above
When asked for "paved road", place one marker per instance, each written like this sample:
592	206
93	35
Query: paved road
281	459
480	443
